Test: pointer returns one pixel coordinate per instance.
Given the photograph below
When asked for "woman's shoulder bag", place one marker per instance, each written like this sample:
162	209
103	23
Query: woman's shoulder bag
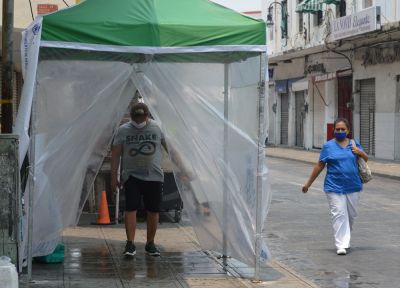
363	168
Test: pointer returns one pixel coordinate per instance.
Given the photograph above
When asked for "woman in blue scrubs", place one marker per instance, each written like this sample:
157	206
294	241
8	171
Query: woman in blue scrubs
342	182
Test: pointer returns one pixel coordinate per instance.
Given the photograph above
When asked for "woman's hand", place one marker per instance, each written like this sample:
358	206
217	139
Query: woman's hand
356	150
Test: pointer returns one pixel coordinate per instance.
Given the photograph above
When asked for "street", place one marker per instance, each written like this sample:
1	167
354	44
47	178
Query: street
300	234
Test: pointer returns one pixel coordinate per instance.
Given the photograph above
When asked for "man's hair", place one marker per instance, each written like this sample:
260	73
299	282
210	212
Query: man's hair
139	109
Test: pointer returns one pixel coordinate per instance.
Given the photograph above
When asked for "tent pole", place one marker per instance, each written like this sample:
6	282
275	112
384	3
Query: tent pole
260	164
31	187
225	191
117	206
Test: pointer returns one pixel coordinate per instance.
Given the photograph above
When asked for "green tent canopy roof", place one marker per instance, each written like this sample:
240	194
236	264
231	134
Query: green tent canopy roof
152	23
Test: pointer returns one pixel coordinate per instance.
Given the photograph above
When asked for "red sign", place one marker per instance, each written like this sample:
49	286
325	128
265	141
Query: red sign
46	8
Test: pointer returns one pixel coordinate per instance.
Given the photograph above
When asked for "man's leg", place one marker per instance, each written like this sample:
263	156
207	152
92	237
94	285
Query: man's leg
152	223
130	225
152	201
132	200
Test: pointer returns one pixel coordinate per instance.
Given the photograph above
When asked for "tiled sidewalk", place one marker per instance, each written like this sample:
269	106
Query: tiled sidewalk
93	258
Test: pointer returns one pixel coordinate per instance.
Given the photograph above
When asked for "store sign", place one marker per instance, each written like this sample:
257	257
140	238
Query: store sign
361	22
315	68
324	77
46	8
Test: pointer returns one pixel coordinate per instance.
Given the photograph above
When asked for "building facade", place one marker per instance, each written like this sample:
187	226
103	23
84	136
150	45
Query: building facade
334	58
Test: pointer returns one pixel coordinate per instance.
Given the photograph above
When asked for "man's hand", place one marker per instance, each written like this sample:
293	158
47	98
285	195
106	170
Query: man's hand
116	152
114	185
305	188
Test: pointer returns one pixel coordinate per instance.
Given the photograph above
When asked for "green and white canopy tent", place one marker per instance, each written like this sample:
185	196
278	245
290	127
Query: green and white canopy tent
201	69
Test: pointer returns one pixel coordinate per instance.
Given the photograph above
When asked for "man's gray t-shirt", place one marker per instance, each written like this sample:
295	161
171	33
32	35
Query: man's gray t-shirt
141	151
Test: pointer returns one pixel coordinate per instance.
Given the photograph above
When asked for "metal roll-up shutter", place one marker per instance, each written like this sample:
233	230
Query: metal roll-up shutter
16	93
299	96
284	118
367	115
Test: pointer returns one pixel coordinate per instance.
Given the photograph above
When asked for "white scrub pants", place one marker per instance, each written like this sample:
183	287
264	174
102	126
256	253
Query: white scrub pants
343	211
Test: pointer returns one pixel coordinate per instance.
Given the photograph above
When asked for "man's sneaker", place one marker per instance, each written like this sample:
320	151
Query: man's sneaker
341	251
151	249
130	249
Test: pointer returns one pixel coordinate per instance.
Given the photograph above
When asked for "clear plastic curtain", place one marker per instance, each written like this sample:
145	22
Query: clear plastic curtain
78	106
209	113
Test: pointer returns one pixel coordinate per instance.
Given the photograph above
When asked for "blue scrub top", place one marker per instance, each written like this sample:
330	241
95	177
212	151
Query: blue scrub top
342	176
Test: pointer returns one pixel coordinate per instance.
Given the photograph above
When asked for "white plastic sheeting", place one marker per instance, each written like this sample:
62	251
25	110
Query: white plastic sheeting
210	113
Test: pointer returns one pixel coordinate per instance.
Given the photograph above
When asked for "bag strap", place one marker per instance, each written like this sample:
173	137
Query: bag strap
353	143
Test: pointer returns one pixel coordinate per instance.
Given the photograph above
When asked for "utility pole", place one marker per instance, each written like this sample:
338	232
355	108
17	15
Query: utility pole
7	67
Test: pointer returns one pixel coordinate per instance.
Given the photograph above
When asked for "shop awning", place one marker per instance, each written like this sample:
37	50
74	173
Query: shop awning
300	85
281	86
336	2
309	6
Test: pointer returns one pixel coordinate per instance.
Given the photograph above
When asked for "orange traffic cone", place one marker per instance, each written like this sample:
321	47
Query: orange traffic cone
104	215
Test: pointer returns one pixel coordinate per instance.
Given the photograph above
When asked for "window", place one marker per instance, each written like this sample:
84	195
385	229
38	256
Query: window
301	23
318	18
301	19
341	8
367	3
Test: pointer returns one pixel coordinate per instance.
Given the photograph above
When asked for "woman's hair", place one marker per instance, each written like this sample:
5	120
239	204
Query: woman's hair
344	120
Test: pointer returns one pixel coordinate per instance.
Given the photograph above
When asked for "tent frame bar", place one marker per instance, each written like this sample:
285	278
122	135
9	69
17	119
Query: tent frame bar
227	92
32	148
260	165
152	50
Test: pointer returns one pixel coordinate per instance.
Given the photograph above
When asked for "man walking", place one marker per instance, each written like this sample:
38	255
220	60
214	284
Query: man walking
138	143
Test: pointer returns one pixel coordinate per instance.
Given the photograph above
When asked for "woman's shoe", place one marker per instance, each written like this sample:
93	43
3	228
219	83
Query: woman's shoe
341	251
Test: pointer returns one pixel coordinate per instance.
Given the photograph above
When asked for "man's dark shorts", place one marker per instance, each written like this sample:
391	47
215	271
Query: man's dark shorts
135	189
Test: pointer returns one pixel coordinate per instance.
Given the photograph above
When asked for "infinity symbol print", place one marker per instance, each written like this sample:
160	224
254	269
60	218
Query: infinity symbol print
146	148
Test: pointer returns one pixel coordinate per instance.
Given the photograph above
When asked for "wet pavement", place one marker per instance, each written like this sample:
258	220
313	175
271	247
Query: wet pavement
383	168
93	258
300	232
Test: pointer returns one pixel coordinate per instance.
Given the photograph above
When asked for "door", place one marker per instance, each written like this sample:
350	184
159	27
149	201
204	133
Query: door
319	103
300	115
367	115
397	121
272	115
284	118
345	100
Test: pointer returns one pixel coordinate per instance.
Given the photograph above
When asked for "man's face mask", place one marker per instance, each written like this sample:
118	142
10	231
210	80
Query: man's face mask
139	125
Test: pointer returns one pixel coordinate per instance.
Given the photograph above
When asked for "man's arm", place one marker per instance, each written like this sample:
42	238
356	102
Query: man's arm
176	158
116	151
164	144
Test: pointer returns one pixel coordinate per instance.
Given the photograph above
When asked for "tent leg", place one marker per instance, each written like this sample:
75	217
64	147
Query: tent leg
260	165
225	188
117	206
31	188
